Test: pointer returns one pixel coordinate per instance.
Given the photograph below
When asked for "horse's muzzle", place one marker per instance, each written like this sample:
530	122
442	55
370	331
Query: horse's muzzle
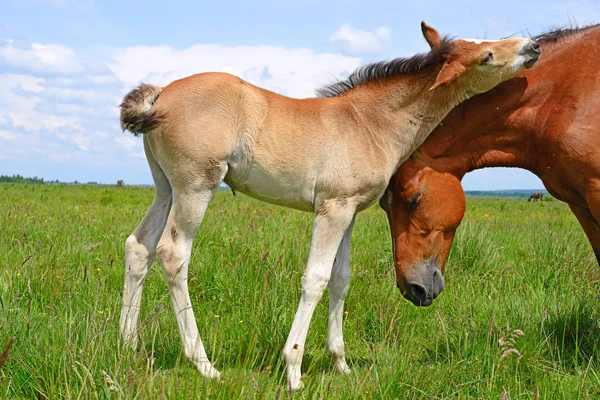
531	52
424	288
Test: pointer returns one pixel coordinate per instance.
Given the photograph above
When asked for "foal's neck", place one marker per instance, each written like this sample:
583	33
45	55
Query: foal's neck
400	113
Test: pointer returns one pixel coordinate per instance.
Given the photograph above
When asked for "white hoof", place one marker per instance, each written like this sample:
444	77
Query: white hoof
294	377
339	362
341	366
130	340
295	385
208	371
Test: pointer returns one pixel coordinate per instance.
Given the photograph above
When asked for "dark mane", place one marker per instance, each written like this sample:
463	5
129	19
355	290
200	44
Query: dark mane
387	69
556	34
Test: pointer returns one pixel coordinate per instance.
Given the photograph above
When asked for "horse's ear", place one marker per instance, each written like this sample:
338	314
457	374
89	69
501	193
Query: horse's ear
449	72
431	35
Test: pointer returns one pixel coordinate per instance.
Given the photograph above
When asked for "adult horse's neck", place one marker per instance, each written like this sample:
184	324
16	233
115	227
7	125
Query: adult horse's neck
486	131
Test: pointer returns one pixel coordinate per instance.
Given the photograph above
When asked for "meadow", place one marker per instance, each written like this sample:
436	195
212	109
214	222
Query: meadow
519	319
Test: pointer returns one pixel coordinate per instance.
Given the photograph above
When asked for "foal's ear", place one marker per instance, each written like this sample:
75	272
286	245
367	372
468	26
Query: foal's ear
431	35
450	71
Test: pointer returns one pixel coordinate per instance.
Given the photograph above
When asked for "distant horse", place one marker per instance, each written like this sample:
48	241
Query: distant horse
545	120
332	156
535	197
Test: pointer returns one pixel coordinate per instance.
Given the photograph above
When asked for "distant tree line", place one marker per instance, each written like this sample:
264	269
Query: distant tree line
504	193
22	179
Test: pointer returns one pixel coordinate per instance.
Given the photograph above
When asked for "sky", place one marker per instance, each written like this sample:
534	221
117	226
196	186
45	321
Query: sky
66	64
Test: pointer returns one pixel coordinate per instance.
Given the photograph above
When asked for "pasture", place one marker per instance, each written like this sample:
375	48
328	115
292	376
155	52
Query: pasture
520	316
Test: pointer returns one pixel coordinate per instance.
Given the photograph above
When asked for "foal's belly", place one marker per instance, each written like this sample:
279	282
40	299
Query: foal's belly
284	188
295	190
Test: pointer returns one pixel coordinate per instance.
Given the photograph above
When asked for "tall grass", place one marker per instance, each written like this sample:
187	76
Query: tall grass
515	267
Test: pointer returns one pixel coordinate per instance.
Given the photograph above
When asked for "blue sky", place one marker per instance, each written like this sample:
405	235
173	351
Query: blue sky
65	64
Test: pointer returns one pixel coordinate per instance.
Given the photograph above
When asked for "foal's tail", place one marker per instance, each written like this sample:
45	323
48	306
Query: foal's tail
137	115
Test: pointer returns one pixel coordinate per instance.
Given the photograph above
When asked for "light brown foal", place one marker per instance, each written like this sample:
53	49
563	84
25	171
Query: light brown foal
332	155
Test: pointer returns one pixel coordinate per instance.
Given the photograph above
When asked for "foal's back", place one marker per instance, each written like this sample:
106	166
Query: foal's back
276	148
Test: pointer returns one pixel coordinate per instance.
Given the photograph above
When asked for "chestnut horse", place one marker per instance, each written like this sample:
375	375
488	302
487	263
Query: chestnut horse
332	156
545	120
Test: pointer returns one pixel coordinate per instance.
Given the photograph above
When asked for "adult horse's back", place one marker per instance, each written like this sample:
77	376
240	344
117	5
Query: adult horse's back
332	156
545	120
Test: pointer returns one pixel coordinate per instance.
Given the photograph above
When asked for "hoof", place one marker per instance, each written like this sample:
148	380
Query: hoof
340	364
295	386
130	341
342	367
208	371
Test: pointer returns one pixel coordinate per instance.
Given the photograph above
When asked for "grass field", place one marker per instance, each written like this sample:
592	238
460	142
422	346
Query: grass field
515	266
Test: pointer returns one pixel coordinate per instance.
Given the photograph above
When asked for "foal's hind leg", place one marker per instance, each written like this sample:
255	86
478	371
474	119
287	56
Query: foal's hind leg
338	288
330	224
139	251
174	249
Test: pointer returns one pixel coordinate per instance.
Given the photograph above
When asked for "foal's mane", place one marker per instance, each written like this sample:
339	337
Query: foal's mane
557	34
387	69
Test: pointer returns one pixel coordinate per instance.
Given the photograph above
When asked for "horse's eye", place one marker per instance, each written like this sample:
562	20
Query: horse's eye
414	201
488	59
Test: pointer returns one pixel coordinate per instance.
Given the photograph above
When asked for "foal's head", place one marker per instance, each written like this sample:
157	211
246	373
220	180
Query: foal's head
475	66
454	70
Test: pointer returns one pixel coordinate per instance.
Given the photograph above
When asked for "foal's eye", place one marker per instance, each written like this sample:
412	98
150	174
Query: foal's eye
488	59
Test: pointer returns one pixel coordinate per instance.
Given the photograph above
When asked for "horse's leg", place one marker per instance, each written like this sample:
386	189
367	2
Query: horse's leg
139	251
338	288
330	224
174	249
590	227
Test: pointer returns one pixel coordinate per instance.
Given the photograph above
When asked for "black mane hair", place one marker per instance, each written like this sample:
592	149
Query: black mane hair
421	62
556	34
388	69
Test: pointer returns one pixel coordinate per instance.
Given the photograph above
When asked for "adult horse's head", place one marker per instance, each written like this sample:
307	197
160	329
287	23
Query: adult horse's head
424	208
478	65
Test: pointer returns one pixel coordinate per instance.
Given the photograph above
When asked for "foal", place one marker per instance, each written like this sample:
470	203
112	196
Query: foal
332	156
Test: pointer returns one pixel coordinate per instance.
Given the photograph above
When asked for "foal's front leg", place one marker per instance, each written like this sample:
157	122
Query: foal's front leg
330	224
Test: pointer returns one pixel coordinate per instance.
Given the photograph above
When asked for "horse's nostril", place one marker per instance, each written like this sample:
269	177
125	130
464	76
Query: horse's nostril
418	292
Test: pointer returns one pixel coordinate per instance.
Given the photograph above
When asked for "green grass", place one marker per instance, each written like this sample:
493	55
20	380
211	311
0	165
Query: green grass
514	266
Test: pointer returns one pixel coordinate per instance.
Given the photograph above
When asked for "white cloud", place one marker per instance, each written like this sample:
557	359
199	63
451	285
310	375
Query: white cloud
8	135
41	58
82	96
33	121
357	41
138	154
81	141
295	72
127	142
27	83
